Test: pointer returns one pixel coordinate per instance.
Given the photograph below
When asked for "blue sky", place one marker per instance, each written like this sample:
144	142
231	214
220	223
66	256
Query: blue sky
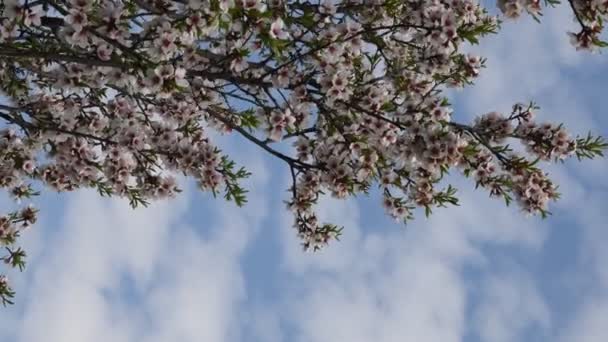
198	269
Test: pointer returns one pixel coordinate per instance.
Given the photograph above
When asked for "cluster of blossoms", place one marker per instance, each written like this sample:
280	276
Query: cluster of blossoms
11	227
122	95
590	15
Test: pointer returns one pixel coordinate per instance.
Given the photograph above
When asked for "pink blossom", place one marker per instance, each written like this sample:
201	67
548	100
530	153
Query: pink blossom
277	29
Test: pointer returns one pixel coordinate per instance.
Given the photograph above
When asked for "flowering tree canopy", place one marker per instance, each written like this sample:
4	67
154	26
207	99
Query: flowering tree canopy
121	96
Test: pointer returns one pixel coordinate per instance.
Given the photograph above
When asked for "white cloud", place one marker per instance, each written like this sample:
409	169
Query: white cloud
418	298
263	323
99	241
509	304
407	285
590	282
590	323
113	273
197	292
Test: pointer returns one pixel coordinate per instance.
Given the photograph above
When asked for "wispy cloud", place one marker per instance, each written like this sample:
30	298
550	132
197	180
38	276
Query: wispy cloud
111	273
